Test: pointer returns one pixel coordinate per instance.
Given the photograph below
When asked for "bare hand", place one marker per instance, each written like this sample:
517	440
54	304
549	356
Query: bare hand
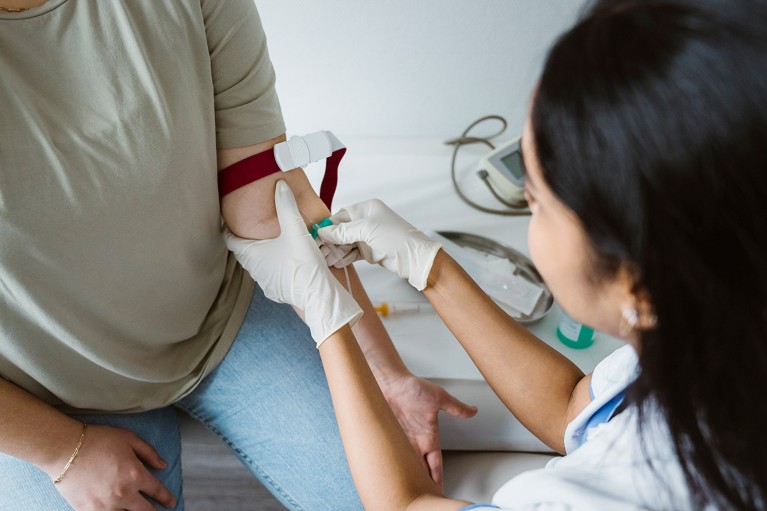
416	404
109	473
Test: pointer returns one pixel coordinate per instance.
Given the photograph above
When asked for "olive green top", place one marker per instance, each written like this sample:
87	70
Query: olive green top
117	292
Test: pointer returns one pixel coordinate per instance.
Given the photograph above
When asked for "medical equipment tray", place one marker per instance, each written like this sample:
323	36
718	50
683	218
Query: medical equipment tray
524	268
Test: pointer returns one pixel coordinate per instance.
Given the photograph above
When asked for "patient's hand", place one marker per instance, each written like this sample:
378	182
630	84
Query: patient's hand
416	403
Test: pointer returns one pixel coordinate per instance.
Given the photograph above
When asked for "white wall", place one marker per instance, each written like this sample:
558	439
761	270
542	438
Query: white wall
408	67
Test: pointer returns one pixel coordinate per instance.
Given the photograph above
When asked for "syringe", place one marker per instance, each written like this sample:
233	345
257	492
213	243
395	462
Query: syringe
386	309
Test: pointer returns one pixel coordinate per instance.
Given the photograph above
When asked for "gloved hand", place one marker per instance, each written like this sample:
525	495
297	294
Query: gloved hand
291	269
383	237
339	256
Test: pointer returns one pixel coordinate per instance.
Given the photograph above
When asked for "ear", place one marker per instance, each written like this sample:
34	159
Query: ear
639	297
646	317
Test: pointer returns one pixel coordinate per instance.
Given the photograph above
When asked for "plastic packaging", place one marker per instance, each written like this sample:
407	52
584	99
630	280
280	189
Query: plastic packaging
495	275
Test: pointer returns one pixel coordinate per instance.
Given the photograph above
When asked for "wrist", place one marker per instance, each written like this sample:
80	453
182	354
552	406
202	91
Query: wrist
437	267
382	357
83	431
389	375
423	263
59	448
329	308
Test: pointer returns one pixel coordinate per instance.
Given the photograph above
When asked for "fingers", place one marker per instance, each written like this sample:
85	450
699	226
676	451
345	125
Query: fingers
425	464
140	503
329	233
351	224
434	464
145	484
288	214
351	256
147	453
151	486
332	234
339	256
456	407
332	253
341	217
344	233
154	489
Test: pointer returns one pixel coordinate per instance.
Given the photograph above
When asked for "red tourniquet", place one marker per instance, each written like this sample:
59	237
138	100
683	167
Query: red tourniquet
263	164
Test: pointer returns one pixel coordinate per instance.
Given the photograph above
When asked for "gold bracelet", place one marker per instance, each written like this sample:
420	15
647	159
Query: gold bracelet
74	455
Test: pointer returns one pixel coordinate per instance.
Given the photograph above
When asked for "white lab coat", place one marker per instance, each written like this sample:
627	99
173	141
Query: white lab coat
606	467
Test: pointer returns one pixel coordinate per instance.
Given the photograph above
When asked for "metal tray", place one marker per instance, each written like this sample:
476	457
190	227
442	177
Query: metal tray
524	268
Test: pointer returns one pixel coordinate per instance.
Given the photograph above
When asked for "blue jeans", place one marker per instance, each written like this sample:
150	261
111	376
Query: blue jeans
268	401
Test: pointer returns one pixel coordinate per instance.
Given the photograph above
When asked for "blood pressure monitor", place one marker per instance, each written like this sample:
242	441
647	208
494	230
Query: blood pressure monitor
505	170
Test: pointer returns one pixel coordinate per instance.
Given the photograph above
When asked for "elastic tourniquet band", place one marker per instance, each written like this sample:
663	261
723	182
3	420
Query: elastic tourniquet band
246	171
266	163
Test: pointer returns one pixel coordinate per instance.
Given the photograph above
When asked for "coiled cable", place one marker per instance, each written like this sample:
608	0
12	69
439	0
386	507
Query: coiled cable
517	208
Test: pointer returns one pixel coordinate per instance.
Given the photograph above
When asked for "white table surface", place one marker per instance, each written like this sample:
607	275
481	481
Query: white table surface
412	176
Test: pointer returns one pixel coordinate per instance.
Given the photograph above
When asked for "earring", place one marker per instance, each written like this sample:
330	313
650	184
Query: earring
629	318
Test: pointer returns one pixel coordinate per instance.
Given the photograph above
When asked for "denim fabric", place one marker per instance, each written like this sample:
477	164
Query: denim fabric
268	401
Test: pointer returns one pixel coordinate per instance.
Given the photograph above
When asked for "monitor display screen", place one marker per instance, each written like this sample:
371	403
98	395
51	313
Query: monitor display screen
513	162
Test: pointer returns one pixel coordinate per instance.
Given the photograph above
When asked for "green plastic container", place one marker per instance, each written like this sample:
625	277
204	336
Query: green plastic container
573	334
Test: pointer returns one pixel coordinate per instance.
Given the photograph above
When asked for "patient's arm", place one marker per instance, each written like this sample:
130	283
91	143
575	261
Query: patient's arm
250	213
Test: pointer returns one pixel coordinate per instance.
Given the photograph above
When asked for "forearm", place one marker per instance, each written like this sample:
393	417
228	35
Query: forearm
34	431
534	381
371	334
386	470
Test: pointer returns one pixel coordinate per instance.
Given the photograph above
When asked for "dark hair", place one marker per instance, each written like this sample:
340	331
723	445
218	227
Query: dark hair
650	123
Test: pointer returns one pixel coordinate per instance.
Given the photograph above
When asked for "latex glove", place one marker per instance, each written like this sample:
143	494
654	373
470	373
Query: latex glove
291	269
383	237
339	256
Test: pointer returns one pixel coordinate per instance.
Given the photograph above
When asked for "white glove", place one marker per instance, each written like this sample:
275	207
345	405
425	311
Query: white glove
339	256
383	237
291	269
